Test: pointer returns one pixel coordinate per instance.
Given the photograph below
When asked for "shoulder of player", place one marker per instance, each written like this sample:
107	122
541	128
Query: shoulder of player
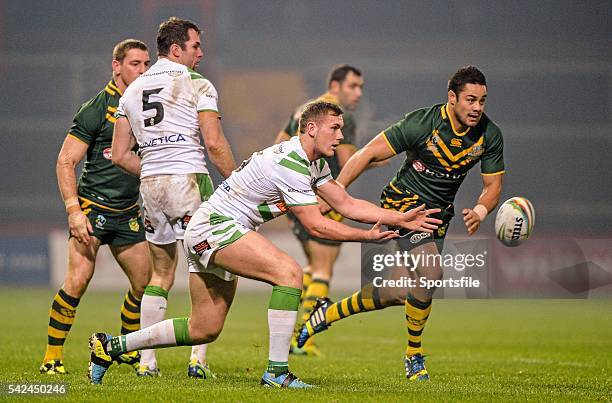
287	159
98	105
489	127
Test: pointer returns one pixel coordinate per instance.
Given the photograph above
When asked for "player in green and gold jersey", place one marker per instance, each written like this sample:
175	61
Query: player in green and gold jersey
344	88
102	209
442	143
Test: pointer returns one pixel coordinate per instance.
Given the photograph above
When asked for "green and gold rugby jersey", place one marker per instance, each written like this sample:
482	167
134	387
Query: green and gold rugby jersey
438	157
348	130
101	182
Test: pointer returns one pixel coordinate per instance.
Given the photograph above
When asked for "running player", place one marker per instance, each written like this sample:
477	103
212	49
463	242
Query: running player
444	142
102	209
344	88
168	110
222	243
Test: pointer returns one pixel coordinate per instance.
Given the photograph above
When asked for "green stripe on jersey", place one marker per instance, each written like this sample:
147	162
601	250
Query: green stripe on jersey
295	156
294	166
195	75
265	212
216	218
237	234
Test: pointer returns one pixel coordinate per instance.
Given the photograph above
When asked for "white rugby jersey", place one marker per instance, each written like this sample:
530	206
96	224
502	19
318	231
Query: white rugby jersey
269	182
162	107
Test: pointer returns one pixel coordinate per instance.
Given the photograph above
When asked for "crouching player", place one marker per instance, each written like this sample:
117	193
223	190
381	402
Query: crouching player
222	243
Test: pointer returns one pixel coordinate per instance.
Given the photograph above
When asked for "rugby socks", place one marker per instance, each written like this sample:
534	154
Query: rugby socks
365	300
282	314
417	313
61	318
167	333
153	310
199	353
130	313
317	289
306	280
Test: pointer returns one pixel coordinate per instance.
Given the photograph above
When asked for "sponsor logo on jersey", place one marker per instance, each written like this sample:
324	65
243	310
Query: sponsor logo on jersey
290	189
419	237
184	221
281	206
225	186
100	221
133	223
477	151
172	138
278	149
442	230
444	175
201	247
456	142
418	166
107	153
148	226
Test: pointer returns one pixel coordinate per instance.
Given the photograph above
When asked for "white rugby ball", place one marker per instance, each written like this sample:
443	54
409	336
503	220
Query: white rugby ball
514	221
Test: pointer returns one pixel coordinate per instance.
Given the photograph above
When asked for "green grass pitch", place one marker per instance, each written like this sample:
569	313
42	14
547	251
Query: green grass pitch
478	350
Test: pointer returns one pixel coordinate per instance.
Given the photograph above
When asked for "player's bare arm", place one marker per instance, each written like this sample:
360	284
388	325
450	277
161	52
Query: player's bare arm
491	190
375	151
121	149
323	227
72	153
218	147
417	219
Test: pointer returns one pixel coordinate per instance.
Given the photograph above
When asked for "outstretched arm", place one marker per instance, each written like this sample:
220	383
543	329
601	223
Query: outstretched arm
323	227
361	210
375	151
491	190
121	149
218	148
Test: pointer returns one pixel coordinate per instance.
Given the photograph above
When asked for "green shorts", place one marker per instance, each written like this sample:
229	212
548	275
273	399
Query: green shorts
115	227
409	240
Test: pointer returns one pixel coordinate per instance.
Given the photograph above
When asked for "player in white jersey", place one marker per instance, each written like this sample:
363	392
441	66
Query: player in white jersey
221	243
166	113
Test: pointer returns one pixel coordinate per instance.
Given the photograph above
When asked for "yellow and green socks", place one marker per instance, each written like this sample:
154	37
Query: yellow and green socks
61	318
417	313
365	300
130	313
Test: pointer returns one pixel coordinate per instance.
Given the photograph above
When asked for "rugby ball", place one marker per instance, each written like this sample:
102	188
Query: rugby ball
514	221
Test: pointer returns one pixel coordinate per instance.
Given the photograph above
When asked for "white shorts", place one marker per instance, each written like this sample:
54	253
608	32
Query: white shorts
168	203
207	232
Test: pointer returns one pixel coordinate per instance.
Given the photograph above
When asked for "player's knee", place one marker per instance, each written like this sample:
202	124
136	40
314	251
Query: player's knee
204	332
289	274
76	284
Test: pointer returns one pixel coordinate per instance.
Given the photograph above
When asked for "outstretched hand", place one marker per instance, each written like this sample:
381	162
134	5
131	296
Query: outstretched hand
418	219
375	234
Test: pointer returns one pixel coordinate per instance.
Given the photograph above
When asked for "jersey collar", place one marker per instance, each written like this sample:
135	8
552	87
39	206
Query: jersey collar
446	116
112	88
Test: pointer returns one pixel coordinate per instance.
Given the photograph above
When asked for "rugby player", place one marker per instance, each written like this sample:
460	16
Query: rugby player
102	209
166	112
344	88
443	143
222	243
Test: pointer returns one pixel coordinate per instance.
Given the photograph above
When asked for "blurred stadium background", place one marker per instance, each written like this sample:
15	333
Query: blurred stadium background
548	64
